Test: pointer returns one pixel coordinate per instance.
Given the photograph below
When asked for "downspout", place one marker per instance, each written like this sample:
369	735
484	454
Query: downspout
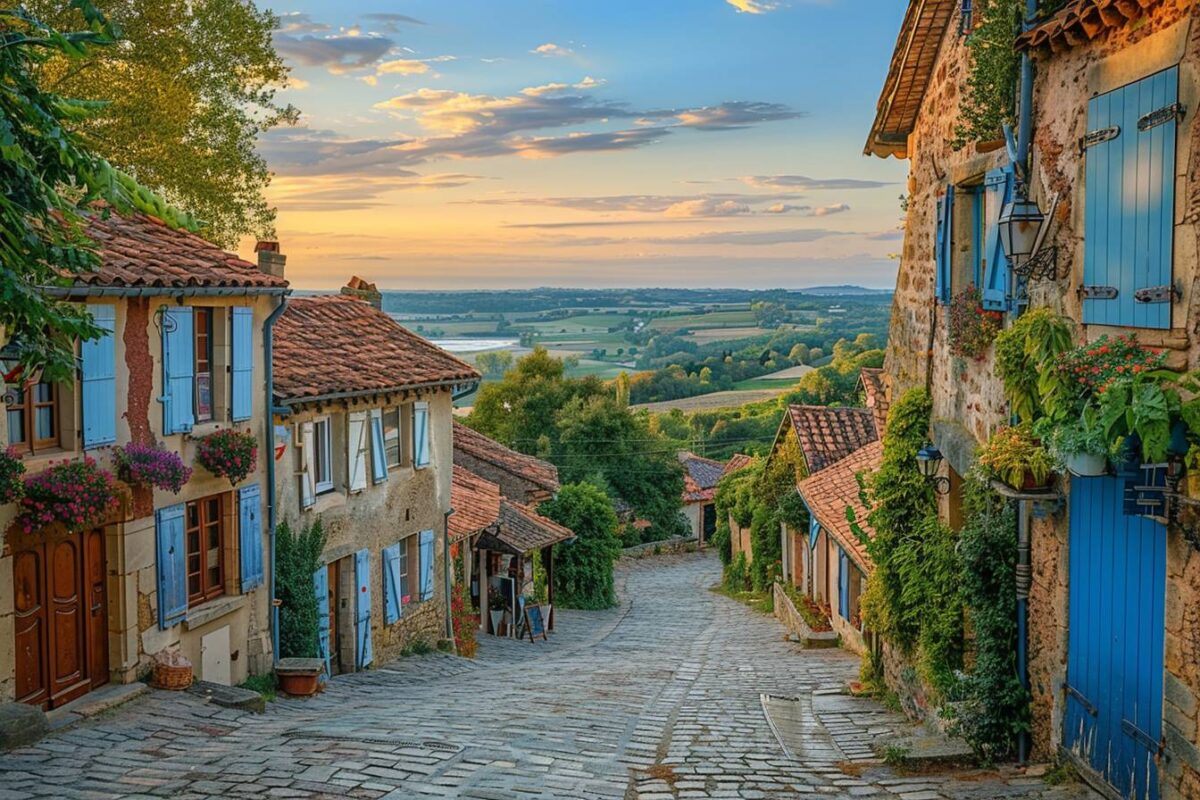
1024	577
1025	109
268	356
446	575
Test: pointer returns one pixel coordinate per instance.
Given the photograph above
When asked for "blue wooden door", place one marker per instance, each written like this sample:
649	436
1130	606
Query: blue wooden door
364	651
1114	688
1129	202
321	590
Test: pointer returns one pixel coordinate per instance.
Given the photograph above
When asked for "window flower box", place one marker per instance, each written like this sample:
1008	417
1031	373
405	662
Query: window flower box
1016	456
12	470
228	454
74	494
148	465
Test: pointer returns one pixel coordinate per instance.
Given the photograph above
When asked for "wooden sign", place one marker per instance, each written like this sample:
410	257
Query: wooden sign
534	622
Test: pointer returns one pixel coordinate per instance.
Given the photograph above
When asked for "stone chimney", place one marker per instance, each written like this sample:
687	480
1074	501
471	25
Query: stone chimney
363	290
270	260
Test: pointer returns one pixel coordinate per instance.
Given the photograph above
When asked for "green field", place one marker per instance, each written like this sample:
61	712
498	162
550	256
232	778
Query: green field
711	319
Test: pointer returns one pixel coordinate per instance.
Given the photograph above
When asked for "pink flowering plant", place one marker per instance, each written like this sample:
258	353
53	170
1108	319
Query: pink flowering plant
228	454
972	327
75	494
1097	366
148	465
12	469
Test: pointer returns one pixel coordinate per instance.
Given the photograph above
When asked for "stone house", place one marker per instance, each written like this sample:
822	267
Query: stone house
700	478
363	442
520	477
182	357
1113	634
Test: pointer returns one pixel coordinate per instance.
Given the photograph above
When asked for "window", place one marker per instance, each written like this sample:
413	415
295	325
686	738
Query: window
391	436
323	454
205	534
203	349
966	238
33	416
405	546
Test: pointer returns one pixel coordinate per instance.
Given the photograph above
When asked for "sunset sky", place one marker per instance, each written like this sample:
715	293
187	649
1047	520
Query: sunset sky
477	144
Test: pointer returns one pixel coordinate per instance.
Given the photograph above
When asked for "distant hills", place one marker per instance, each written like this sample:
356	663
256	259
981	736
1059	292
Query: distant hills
843	290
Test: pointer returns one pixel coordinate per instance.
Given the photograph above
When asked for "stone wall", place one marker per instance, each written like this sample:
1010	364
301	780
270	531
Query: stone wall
677	544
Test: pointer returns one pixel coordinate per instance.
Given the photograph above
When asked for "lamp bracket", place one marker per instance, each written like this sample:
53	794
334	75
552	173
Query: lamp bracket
1040	267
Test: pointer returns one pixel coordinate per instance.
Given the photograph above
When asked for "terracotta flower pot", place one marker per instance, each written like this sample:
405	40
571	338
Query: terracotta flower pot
299	685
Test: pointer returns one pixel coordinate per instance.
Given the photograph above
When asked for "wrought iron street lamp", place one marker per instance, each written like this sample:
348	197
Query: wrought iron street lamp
1020	221
929	462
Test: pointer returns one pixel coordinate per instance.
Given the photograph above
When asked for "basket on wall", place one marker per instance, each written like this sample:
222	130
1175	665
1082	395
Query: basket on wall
172	671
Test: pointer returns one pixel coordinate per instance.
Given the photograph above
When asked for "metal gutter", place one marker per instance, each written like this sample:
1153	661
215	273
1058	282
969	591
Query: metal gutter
356	393
268	357
163	291
446	575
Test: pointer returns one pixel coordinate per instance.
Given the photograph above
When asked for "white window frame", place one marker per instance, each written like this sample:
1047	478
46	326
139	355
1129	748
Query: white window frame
323	454
406	596
399	412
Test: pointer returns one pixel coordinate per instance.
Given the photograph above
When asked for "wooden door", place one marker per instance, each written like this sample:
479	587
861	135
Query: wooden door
97	599
335	640
67	610
29	594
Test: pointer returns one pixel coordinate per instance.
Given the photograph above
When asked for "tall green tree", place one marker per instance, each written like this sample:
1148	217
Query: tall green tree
49	176
187	92
583	568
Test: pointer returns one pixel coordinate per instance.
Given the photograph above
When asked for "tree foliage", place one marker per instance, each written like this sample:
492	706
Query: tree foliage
50	177
187	93
583	568
990	93
297	557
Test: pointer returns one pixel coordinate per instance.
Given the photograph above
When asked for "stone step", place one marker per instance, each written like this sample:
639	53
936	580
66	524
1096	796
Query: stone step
229	696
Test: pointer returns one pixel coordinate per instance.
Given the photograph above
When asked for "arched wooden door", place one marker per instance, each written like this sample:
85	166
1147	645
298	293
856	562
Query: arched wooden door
61	628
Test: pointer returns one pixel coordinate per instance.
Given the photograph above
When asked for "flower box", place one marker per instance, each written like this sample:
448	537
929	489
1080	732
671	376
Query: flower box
74	494
148	465
228	454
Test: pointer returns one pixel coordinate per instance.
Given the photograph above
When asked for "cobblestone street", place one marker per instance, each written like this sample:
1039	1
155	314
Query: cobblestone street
660	698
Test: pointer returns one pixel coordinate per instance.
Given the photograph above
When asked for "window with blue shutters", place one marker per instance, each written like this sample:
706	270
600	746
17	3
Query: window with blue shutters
171	565
250	536
426	558
364	652
1129	204
99	380
393	605
996	288
178	360
941	246
421	434
241	363
378	454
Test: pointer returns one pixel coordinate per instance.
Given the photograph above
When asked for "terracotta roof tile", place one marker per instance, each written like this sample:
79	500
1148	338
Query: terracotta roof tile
137	250
829	492
475	444
1080	21
521	529
829	434
476	503
875	392
700	477
334	345
737	461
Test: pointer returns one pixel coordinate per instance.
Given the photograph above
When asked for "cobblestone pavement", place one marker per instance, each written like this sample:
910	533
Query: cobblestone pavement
658	699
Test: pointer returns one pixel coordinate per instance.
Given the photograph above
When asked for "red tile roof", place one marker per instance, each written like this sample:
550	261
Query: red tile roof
473	443
876	396
521	530
737	461
829	434
829	492
335	345
137	250
1080	21
476	503
700	477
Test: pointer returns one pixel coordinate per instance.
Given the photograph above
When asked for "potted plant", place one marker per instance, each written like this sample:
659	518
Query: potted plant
496	612
74	494
228	454
1080	445
12	470
149	465
1192	463
972	327
1017	457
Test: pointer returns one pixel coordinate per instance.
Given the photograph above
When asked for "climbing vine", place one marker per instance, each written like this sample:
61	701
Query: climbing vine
989	95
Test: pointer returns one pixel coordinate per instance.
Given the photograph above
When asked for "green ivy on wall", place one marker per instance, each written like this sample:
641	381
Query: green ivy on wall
990	91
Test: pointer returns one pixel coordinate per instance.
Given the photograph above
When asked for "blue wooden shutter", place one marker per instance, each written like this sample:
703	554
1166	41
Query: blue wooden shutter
321	590
250	541
363	653
178	367
1129	201
99	380
378	457
941	246
172	566
392	604
814	531
843	584
242	363
421	434
997	190
426	543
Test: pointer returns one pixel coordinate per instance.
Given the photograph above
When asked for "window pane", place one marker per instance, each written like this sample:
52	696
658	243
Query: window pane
391	436
16	427
43	393
404	597
44	423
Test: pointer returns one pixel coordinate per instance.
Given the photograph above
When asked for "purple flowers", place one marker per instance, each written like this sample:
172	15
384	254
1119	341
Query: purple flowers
11	470
228	454
76	494
147	465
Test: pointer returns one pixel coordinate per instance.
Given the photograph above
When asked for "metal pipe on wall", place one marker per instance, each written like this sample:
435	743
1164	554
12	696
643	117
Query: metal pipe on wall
272	502
1024	579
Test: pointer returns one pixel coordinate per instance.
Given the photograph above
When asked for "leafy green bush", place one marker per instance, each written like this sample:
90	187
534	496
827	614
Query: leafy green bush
737	577
583	568
1025	360
297	557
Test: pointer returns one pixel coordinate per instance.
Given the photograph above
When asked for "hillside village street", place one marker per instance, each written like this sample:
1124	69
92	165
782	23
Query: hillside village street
656	699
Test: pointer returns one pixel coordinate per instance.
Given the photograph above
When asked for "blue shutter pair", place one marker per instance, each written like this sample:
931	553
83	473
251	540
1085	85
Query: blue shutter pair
941	246
421	434
843	584
393	604
997	192
171	566
178	357
99	380
321	590
241	363
364	652
426	544
1129	203
250	530
378	456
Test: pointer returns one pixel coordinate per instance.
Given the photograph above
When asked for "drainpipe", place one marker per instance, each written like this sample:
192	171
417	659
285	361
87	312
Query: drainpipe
1025	111
446	574
1024	577
268	348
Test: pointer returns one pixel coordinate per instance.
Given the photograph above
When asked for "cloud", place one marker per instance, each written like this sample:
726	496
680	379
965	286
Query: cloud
752	238
299	22
753	6
552	50
307	151
787	208
800	183
557	88
825	211
551	147
673	206
887	236
734	115
391	22
338	53
707	207
402	66
356	192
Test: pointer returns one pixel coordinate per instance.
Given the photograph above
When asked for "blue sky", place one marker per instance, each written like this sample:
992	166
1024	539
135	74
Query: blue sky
468	144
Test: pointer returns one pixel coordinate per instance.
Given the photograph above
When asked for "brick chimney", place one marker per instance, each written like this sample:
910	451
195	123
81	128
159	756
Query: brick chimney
363	290
270	260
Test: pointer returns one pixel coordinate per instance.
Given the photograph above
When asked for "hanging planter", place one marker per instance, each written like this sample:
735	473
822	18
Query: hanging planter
972	327
228	454
74	494
148	465
1080	445
1017	457
12	470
